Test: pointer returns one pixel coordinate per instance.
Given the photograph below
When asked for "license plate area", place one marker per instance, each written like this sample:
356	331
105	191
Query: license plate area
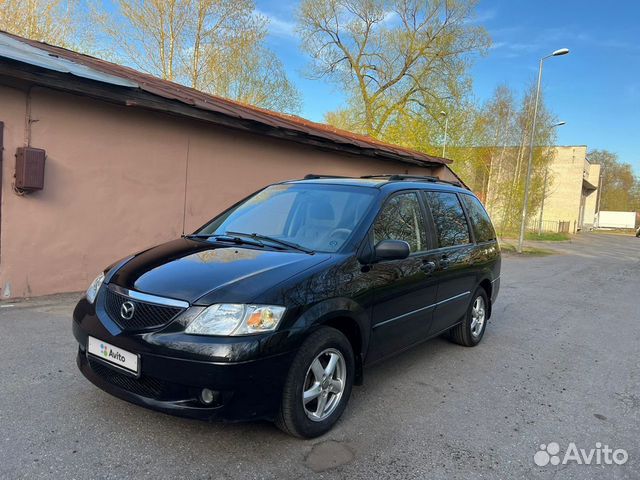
113	356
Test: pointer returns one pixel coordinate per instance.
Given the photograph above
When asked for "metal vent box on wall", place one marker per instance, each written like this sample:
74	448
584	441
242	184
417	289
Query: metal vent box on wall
30	168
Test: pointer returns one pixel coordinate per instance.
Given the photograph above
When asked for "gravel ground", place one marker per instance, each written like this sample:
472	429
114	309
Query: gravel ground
559	363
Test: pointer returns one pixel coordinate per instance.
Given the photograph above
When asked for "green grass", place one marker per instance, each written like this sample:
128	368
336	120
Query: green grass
547	236
533	251
543	237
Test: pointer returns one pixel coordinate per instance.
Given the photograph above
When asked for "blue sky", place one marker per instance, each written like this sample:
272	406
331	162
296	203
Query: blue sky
595	89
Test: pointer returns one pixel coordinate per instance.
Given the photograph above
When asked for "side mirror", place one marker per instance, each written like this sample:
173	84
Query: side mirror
391	250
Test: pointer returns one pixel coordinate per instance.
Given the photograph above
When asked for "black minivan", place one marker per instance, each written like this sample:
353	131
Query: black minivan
273	308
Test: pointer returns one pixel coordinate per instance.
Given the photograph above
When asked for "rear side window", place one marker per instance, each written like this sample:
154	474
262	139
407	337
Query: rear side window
401	219
449	218
480	222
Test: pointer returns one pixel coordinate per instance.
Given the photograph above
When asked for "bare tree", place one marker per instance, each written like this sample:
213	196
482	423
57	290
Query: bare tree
149	33
58	22
217	46
393	57
508	131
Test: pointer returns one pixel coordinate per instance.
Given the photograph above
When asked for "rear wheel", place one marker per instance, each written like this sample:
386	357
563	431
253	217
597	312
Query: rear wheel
471	330
318	384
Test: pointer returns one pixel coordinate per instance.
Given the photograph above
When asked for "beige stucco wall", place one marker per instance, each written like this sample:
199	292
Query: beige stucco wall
115	184
593	177
564	190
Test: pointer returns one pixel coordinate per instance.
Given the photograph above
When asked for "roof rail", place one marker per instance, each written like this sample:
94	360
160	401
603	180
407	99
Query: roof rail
419	178
312	176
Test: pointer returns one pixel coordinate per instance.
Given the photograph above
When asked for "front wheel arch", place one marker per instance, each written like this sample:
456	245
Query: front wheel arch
292	417
345	315
351	329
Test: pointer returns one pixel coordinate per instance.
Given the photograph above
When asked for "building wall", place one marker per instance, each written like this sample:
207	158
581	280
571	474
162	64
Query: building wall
564	190
116	181
591	202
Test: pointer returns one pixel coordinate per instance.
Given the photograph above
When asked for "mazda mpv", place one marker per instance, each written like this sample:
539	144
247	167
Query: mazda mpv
273	309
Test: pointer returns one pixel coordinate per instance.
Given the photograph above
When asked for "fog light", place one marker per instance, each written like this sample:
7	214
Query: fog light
207	396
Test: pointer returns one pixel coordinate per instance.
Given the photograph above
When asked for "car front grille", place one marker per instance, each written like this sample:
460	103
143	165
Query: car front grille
145	315
144	386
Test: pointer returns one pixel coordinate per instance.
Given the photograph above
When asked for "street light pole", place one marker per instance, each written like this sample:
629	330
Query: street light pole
544	186
446	126
523	223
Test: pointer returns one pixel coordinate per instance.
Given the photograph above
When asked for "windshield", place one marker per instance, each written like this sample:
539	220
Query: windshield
316	217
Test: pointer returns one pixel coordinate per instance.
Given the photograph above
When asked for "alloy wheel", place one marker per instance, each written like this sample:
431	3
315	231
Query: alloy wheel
324	384
478	316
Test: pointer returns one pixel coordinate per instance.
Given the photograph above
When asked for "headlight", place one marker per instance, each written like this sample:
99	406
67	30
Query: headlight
236	319
92	291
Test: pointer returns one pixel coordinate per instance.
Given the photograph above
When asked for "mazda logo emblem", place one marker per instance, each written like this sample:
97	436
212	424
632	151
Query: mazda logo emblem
127	309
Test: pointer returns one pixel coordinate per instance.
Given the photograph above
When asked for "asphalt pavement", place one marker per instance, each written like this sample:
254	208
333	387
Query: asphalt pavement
559	364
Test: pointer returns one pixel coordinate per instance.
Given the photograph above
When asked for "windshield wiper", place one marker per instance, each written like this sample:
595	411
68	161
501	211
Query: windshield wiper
284	243
226	238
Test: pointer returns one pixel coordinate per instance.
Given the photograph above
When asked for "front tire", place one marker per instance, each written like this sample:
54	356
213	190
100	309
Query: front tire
471	330
318	384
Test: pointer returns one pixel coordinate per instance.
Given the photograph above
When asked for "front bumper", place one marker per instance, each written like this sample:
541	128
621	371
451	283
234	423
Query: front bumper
247	374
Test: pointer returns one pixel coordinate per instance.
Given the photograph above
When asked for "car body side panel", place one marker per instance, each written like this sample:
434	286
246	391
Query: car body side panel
456	282
405	296
485	261
337	288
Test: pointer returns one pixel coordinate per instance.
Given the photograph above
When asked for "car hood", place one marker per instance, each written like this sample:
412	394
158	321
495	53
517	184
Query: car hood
200	271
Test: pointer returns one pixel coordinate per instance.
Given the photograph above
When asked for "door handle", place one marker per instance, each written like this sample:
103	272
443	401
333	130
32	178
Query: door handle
428	267
444	261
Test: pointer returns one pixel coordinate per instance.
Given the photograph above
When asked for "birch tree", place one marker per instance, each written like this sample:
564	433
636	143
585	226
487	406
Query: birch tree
507	139
216	46
392	57
58	22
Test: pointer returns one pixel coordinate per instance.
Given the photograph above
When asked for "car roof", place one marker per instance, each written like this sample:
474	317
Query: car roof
387	183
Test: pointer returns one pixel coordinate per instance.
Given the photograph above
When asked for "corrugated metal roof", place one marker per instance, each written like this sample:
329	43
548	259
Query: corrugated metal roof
59	59
23	52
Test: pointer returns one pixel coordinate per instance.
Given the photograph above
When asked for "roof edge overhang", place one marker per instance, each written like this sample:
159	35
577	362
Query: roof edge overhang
38	63
588	185
15	73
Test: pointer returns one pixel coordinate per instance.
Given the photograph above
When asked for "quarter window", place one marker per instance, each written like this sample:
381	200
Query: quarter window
449	218
480	222
401	219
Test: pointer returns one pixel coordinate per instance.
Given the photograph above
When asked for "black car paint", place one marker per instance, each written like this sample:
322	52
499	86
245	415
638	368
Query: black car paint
200	271
383	307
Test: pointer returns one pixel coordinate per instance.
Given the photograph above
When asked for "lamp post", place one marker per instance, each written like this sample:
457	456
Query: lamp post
523	223
446	126
544	185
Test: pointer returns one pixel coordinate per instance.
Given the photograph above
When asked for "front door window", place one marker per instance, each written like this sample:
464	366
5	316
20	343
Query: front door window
401	219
